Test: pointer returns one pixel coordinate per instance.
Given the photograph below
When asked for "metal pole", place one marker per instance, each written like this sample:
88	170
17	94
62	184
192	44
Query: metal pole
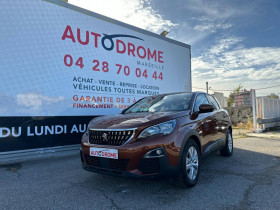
207	87
257	112
263	114
254	108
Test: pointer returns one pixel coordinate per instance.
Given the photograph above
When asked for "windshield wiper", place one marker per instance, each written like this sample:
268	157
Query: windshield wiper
139	111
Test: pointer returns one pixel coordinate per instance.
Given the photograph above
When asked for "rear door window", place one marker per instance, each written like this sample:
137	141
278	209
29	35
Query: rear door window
213	102
200	99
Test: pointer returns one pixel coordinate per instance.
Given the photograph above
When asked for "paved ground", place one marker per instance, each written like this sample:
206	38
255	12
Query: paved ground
242	133
267	135
250	179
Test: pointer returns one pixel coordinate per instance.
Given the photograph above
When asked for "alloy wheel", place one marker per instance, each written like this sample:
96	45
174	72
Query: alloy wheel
229	142
192	163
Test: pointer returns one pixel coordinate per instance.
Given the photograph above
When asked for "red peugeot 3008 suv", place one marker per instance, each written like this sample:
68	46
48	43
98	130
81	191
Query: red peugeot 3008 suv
158	135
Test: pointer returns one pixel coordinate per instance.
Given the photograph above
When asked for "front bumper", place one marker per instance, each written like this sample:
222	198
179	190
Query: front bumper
132	167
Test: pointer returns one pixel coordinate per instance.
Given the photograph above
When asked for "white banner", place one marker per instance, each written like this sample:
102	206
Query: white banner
58	61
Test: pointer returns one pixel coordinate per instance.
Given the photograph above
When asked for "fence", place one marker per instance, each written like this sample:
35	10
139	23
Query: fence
267	108
240	114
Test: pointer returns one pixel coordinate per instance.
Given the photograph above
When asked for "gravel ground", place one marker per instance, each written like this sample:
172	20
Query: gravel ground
250	179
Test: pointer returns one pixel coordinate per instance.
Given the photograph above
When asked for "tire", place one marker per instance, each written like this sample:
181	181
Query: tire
228	149
190	165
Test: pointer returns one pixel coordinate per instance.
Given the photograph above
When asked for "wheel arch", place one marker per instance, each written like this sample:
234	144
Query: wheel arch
192	134
230	129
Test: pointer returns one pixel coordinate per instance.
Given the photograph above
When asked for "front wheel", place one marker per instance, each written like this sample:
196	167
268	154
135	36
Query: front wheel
190	164
228	149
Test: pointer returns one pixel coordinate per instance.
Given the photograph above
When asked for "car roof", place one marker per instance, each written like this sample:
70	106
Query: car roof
166	94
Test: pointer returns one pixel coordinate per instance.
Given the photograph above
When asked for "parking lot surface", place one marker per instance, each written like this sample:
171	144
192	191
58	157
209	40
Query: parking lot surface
250	179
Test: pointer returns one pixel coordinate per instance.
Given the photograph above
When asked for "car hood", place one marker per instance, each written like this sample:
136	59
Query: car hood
134	120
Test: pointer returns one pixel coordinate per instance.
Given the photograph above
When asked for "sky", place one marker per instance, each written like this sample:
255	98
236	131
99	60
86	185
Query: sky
232	42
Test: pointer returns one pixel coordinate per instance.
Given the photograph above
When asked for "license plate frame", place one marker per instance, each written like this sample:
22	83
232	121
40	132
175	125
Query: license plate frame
104	152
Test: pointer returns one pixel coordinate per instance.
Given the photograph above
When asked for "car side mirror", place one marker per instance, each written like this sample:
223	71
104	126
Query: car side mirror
204	108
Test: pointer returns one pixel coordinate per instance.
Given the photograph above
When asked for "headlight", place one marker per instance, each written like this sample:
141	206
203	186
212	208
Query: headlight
162	128
85	137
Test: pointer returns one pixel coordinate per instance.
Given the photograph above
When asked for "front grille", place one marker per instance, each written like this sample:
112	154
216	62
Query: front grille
110	137
92	161
120	164
106	163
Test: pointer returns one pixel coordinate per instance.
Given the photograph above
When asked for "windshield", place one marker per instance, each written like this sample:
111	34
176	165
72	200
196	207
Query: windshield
175	102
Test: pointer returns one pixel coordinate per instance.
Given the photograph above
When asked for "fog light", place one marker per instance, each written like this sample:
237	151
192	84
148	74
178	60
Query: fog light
154	153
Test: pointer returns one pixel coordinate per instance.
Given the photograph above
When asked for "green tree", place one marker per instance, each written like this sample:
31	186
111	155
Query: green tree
236	90
230	101
272	95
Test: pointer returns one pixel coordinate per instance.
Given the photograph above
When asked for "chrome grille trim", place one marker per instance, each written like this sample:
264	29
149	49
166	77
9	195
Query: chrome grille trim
120	135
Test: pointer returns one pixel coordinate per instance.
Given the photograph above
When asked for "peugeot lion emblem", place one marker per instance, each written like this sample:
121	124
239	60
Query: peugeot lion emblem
104	137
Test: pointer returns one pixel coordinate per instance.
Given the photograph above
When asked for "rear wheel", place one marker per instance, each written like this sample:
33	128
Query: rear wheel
228	149
190	164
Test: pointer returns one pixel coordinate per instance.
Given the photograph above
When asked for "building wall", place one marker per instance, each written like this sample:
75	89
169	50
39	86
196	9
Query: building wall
243	98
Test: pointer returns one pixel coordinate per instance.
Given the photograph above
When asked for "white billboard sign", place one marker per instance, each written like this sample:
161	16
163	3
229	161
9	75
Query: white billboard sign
60	61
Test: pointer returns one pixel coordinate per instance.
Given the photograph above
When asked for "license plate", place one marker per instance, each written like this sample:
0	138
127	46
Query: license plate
103	152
